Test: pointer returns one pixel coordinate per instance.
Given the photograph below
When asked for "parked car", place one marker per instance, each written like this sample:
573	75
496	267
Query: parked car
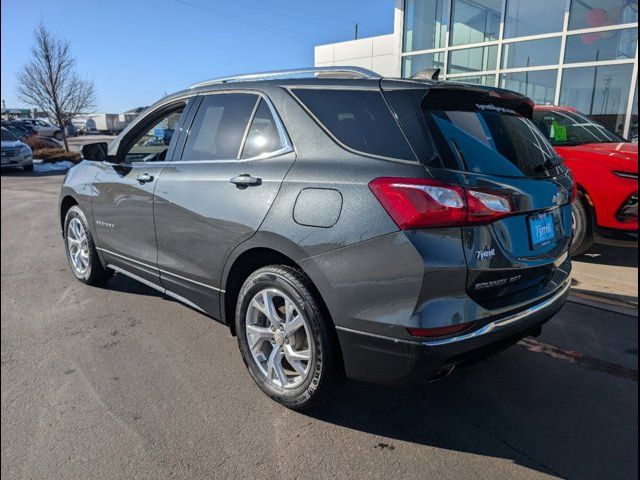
605	167
21	130
14	152
387	229
43	128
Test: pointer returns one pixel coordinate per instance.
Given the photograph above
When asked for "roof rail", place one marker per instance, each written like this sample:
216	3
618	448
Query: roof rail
320	72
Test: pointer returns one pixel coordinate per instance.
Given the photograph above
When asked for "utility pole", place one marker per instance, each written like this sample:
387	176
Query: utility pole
357	30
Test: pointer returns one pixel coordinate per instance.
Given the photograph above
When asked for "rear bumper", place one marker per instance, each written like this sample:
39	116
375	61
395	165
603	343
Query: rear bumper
381	359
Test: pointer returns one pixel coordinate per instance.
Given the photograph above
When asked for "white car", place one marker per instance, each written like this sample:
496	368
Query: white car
43	128
15	153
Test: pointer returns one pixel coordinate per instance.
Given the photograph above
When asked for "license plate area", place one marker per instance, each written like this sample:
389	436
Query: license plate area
542	230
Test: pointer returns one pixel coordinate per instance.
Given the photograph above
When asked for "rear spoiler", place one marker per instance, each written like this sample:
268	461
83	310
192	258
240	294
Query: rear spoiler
452	95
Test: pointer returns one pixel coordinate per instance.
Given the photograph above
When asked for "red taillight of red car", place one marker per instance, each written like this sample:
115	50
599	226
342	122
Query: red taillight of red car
425	203
439	331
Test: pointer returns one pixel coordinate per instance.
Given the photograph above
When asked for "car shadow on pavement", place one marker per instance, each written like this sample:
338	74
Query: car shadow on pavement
124	284
539	412
618	256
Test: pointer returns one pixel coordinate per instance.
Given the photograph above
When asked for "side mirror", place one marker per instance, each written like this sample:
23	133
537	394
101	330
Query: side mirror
96	152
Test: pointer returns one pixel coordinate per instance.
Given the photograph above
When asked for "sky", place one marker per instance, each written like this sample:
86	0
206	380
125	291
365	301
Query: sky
137	51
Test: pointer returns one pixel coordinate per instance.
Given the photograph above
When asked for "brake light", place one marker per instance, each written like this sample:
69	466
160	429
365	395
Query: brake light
425	203
439	331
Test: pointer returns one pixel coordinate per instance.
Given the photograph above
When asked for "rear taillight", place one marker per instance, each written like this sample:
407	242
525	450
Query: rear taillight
425	203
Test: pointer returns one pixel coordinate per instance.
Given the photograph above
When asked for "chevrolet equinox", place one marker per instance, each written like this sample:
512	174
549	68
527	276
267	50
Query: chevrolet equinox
336	221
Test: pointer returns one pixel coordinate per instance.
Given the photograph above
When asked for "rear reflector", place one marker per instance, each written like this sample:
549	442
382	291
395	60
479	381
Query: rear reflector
440	331
426	203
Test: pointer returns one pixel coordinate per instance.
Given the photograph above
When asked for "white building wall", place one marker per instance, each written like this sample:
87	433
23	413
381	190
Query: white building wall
374	53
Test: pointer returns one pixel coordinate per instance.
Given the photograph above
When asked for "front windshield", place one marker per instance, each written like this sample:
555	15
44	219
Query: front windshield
7	136
566	128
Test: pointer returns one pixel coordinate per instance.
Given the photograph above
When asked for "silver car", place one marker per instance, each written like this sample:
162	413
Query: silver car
15	153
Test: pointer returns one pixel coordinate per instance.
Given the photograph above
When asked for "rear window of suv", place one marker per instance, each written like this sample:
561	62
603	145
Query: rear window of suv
489	138
358	119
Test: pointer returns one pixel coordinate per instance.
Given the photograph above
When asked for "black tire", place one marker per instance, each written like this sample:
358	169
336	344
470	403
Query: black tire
324	364
583	229
28	168
58	136
95	273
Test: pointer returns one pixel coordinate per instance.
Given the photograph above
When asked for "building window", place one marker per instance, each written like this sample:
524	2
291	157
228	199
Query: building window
425	25
532	53
526	17
600	92
602	13
413	64
475	21
609	45
486	80
539	86
633	132
473	59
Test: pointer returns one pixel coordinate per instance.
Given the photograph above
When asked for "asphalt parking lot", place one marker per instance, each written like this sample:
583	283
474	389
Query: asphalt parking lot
119	382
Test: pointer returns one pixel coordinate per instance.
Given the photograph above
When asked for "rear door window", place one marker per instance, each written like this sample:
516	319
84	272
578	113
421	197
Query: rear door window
263	137
490	139
219	127
358	119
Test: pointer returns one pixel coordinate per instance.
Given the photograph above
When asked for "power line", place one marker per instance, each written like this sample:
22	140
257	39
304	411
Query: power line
286	15
309	12
270	28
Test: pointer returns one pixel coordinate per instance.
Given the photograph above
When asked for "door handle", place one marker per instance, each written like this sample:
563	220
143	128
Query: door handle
245	180
144	178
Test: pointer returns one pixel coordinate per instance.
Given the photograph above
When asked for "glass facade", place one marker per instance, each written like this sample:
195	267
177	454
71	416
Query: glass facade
578	53
412	64
600	92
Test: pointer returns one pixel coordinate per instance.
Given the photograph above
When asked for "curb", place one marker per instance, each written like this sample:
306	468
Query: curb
603	303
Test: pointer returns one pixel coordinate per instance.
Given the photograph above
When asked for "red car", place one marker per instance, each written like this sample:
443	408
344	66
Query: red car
605	167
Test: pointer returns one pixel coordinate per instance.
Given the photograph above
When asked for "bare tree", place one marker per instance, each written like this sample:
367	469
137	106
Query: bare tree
50	81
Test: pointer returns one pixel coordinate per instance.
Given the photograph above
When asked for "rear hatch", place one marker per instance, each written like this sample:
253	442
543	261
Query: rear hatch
483	140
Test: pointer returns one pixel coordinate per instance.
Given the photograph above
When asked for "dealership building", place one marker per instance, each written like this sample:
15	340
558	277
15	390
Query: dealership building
577	53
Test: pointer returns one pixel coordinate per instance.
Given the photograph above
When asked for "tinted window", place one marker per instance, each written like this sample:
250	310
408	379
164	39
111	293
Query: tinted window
7	136
263	137
359	119
492	140
219	126
563	127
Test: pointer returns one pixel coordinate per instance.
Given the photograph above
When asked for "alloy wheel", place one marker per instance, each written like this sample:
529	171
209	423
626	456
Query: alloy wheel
279	338
78	246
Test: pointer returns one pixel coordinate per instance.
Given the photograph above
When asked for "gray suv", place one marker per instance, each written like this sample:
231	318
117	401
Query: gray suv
337	222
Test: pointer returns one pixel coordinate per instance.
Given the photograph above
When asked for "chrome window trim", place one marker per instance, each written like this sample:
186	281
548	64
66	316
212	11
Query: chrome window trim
335	139
285	141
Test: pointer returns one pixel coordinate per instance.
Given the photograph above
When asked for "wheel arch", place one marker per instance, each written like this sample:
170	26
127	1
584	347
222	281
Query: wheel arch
267	249
66	203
